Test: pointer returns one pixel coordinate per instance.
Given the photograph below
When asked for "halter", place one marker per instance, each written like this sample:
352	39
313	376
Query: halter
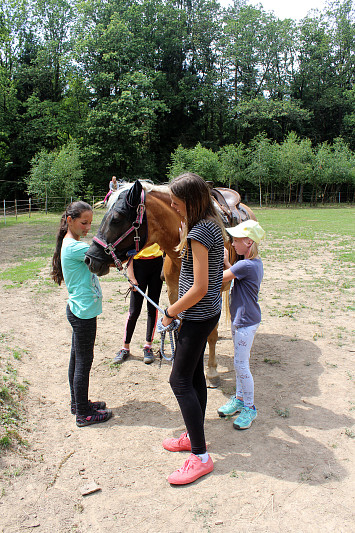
109	248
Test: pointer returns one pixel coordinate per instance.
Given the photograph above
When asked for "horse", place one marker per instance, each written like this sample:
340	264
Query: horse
140	215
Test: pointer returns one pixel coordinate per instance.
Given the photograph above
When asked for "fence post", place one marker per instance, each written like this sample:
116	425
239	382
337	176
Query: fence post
4	213
339	197
46	203
16	208
29	208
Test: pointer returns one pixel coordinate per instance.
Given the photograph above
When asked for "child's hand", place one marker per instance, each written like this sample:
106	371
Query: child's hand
182	229
135	282
226	256
166	321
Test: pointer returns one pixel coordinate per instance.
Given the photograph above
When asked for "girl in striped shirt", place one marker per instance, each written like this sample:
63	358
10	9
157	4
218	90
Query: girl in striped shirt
199	306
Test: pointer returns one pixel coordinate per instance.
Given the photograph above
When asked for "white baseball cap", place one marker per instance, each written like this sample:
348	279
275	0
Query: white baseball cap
250	229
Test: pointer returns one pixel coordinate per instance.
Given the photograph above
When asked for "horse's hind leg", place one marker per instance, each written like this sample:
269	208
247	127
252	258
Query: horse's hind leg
212	377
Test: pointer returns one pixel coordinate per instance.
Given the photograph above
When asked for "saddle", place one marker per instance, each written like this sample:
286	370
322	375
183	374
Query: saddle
228	204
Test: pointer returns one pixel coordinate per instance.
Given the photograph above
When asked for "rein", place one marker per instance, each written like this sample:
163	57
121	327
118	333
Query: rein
172	328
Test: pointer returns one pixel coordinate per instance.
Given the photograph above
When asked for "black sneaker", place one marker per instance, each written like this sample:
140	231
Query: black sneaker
98	406
148	356
95	417
121	356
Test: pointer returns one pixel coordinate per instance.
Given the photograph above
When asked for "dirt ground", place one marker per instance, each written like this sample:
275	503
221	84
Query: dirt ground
292	471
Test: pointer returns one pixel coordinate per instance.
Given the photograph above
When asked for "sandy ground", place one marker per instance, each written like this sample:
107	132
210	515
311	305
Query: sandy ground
293	470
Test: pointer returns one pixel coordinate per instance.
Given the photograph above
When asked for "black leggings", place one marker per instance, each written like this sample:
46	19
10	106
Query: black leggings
187	378
81	358
147	273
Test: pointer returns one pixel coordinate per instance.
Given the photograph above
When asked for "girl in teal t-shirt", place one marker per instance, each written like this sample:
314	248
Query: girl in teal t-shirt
84	305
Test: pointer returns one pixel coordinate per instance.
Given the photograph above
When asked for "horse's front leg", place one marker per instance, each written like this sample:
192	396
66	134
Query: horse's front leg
212	377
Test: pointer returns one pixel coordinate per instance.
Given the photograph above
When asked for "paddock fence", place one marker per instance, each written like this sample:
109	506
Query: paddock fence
252	198
53	204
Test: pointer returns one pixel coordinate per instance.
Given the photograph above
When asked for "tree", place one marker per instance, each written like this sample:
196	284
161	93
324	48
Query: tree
261	158
296	164
55	173
326	69
200	160
233	161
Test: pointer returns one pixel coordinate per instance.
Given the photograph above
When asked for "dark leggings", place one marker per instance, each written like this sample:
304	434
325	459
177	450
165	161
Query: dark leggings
81	358
147	273
187	378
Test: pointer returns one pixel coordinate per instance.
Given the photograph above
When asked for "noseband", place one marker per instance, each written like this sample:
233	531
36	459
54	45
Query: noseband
109	248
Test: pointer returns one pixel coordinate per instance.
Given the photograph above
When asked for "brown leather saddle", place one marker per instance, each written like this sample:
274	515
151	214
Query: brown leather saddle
228	204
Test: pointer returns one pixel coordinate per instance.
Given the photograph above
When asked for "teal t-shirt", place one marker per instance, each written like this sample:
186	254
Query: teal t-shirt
85	295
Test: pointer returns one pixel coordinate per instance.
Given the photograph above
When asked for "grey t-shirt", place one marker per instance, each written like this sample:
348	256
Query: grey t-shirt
244	306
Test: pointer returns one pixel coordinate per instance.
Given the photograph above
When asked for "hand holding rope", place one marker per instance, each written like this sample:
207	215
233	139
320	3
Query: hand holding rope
171	328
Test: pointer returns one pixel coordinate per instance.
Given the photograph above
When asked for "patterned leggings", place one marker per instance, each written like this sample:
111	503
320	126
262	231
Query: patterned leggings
243	339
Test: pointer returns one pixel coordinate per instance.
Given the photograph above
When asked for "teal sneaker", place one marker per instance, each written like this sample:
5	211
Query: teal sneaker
231	407
245	419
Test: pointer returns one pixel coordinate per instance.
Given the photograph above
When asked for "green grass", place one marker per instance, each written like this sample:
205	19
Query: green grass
12	392
23	272
307	223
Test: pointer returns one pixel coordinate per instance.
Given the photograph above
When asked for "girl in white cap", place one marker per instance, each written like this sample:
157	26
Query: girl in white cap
245	313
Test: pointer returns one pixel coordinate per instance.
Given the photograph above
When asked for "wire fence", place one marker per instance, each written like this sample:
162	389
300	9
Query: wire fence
53	204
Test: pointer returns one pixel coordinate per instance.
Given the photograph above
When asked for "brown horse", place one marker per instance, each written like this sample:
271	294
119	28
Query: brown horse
124	229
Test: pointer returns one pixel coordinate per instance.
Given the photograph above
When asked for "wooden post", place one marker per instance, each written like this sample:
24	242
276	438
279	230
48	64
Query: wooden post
16	208
29	208
4	213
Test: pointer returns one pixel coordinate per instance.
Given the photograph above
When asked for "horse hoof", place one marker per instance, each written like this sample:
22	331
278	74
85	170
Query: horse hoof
213	383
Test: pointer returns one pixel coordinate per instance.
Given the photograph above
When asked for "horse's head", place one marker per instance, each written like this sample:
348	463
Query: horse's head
120	229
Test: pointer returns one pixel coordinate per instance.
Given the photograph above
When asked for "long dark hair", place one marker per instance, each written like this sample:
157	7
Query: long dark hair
195	192
74	210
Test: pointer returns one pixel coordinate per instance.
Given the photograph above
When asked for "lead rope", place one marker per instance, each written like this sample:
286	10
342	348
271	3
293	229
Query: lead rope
172	328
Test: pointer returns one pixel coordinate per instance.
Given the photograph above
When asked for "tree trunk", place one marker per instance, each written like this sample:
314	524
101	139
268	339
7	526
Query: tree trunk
300	194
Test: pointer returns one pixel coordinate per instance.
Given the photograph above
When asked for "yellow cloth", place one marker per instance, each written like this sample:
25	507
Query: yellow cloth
150	251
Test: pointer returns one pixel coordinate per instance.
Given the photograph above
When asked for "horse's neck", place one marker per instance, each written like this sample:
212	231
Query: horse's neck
163	222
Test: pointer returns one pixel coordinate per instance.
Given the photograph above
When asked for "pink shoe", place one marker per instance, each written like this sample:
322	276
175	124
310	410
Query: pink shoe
192	469
182	444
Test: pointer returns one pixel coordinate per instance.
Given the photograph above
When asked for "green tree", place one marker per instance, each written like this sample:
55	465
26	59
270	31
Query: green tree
56	173
296	165
326	69
233	159
201	160
261	157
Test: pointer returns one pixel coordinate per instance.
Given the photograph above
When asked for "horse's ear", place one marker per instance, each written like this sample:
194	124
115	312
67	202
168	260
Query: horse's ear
134	194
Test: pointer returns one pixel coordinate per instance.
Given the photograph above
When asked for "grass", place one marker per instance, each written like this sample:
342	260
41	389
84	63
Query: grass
28	270
307	223
284	413
12	393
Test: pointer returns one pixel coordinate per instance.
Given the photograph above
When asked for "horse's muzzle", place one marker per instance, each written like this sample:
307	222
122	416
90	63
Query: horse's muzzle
96	266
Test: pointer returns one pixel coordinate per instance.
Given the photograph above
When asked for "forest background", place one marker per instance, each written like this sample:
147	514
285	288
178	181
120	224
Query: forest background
147	88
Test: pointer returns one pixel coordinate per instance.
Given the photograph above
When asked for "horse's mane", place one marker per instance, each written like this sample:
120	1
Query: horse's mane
124	186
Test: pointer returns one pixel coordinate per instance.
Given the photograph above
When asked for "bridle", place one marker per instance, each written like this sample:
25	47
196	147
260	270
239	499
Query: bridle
109	248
